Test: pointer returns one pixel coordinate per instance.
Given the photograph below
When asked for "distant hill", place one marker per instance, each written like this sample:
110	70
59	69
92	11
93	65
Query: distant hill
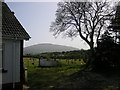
42	48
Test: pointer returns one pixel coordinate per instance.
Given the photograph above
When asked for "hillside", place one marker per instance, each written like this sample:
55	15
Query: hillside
41	48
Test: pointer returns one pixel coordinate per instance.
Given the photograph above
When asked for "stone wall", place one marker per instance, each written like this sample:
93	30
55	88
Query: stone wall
48	63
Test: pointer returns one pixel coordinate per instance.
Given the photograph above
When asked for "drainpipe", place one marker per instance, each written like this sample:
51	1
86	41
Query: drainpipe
14	57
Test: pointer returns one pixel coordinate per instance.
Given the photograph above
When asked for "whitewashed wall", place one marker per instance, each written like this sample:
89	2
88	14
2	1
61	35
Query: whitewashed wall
11	61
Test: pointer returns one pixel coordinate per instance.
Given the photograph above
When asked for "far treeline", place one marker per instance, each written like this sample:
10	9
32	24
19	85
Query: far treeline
74	55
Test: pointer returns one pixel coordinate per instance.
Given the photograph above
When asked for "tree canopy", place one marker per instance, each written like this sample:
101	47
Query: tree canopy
86	19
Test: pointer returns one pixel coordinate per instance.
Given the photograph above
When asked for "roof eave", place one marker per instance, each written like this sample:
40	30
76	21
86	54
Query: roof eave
16	38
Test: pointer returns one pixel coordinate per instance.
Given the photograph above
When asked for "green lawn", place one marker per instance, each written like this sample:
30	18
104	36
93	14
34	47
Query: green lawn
68	75
53	77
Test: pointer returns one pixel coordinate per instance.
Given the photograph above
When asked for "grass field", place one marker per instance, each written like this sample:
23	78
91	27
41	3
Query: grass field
47	78
68	76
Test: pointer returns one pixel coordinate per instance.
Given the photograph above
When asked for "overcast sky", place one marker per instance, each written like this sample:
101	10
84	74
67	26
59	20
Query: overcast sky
36	18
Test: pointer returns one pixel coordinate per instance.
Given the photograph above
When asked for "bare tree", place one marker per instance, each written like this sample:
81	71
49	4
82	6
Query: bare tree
86	19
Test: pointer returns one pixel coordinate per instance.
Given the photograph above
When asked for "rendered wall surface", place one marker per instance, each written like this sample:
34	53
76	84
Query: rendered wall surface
11	61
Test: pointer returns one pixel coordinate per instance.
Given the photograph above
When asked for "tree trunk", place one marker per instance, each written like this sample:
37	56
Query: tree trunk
90	58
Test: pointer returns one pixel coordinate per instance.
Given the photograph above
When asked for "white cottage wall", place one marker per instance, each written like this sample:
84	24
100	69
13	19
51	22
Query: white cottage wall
11	61
16	61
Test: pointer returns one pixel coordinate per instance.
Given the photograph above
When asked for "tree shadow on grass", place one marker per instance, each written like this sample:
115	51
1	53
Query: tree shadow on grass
86	80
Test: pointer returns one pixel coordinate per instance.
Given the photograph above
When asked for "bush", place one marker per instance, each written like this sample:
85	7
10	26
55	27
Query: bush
107	55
